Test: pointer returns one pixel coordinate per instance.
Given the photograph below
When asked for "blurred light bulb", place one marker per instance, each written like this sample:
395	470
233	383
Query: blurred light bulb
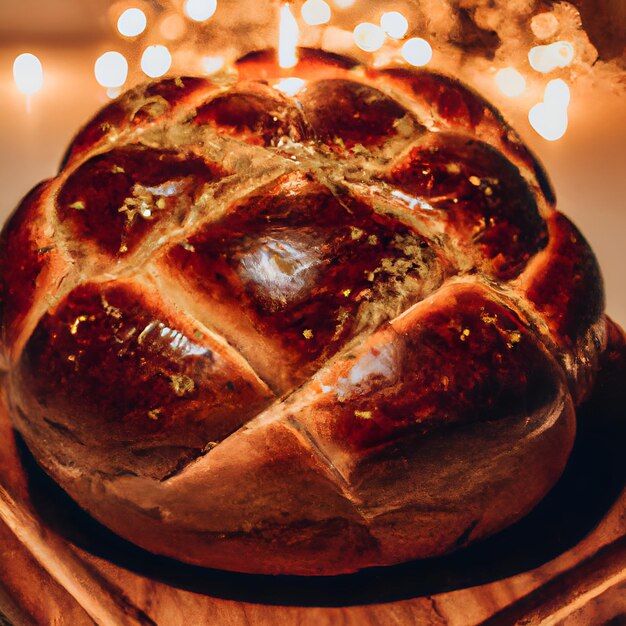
369	37
28	73
132	22
212	64
111	69
290	86
394	24
547	58
417	51
288	34
510	82
200	10
549	120
343	4
315	12
156	61
113	92
557	93
544	25
337	39
173	27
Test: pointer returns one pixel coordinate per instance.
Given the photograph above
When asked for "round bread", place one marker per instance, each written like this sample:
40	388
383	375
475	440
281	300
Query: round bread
304	332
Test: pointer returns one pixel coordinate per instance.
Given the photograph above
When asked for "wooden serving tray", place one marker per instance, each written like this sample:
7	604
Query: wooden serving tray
564	563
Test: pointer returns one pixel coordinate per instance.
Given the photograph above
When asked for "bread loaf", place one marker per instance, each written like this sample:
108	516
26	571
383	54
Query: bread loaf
304	332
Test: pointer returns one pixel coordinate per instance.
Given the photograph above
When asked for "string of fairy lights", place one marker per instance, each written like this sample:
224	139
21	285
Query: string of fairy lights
111	69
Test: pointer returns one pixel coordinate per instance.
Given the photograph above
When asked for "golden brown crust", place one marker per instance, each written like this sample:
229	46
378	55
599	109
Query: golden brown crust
299	334
268	500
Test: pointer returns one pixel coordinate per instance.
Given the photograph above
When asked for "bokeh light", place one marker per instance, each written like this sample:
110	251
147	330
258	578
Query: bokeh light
369	37
156	61
544	25
132	22
200	10
288	35
549	120
28	73
113	92
557	93
510	82
544	59
394	24
417	51
290	86
111	69
211	65
316	12
172	27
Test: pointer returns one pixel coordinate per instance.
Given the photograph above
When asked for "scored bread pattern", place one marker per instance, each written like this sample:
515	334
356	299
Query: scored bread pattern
369	260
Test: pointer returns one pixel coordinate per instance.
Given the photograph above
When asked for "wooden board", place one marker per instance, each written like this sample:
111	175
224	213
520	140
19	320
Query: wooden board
564	563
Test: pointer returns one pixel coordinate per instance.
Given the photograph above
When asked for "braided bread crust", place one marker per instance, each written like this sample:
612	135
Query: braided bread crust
302	333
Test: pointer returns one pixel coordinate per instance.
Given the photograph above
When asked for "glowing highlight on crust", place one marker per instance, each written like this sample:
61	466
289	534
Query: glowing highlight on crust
282	267
287	38
412	201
